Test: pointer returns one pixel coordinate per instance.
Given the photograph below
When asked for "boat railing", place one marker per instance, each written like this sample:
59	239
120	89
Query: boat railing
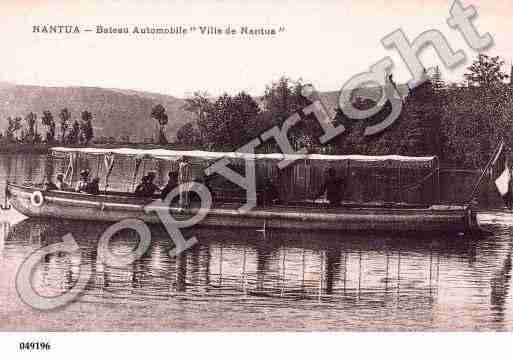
220	201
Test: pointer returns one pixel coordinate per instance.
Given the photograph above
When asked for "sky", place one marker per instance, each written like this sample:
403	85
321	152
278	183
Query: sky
324	42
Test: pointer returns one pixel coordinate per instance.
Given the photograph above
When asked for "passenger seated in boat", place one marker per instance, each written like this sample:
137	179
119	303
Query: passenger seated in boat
140	190
172	183
151	187
147	188
84	181
333	187
49	186
60	184
93	187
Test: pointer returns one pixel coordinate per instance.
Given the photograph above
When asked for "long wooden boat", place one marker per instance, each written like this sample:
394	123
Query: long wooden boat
115	207
407	204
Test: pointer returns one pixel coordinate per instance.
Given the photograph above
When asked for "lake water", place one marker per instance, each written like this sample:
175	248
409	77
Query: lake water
245	280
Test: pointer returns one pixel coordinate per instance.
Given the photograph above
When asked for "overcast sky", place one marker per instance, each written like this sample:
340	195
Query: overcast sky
324	42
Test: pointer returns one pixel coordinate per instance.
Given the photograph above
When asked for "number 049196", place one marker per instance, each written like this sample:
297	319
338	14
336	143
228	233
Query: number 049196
35	346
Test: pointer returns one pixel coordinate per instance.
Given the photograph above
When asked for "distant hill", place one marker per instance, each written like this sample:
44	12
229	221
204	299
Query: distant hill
116	112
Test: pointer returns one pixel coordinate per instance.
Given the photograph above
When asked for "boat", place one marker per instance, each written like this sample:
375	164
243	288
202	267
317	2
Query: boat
351	215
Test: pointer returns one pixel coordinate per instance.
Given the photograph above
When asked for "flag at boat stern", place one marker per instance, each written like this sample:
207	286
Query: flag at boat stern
502	174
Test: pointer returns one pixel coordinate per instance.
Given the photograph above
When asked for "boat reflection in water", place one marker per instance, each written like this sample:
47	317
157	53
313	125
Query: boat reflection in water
383	282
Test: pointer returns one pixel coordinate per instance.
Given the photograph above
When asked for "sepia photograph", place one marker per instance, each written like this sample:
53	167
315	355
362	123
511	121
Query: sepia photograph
173	171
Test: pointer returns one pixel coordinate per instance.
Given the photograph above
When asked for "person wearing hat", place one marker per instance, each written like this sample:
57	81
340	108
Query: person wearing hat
84	181
333	187
94	186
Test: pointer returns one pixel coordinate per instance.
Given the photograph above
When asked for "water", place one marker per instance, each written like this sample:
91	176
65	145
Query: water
245	280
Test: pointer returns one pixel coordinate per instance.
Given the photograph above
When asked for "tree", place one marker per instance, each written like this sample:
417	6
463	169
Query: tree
13	126
159	114
65	118
283	98
239	111
49	123
437	80
86	128
468	129
415	133
473	118
201	107
486	72
420	126
227	123
30	123
73	136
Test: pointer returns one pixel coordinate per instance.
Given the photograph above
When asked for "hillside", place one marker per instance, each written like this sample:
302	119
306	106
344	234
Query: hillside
116	112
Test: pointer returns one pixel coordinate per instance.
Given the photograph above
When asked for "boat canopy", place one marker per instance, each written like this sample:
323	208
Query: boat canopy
391	178
174	155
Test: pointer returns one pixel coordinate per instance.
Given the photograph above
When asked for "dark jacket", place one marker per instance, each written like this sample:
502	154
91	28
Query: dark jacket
171	185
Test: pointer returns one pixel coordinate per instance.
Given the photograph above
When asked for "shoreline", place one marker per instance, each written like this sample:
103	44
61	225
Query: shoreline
11	148
25	148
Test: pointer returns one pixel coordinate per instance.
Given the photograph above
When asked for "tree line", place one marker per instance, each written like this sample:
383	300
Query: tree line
71	132
460	123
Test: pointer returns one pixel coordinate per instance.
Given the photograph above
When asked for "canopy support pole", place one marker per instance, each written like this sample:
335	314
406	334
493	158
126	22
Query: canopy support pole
109	165
99	159
490	163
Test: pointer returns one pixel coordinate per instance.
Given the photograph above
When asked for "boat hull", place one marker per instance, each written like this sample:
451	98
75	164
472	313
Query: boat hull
112	208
